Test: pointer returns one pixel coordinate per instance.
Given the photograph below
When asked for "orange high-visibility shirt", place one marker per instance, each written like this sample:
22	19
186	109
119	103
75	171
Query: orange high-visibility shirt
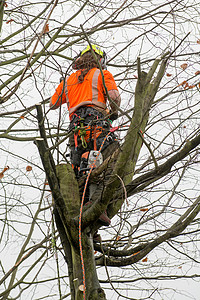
90	92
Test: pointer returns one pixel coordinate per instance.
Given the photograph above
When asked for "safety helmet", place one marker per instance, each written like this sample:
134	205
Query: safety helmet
97	50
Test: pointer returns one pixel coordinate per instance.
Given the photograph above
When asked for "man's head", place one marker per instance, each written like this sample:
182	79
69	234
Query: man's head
86	60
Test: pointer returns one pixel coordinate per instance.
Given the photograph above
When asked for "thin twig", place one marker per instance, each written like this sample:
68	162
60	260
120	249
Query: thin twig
149	148
125	192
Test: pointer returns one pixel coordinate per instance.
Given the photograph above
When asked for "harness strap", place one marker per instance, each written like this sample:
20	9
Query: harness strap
76	140
95	137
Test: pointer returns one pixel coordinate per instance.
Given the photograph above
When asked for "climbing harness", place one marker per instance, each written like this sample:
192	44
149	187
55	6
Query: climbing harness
89	128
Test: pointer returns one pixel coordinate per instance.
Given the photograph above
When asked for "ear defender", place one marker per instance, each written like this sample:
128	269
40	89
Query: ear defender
103	61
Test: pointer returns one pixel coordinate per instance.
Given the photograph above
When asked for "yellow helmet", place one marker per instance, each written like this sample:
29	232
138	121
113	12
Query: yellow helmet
95	48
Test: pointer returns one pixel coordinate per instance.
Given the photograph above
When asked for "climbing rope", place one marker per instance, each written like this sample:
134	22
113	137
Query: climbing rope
113	129
80	216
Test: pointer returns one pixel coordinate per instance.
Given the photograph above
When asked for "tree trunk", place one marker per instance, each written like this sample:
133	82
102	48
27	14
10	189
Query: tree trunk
70	240
93	289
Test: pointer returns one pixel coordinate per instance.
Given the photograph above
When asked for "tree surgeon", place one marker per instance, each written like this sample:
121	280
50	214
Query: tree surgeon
92	99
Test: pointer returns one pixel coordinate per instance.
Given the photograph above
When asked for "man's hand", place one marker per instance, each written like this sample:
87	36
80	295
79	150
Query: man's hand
113	116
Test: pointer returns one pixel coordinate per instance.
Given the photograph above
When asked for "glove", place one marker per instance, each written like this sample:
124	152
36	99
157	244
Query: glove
113	116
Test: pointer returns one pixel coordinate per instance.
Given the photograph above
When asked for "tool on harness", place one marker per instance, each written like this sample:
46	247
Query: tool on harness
89	159
80	131
95	158
84	163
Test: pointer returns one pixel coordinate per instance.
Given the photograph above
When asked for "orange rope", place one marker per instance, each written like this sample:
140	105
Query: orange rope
80	216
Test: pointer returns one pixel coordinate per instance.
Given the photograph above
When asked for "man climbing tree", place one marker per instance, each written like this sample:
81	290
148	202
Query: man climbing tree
86	92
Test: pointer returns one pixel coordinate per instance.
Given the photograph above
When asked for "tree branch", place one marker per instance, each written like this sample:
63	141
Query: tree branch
172	232
164	168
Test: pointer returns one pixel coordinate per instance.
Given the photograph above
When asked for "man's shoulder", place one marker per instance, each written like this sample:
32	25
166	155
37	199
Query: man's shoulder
108	74
73	76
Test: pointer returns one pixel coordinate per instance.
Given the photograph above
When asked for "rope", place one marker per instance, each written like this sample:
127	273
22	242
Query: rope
80	216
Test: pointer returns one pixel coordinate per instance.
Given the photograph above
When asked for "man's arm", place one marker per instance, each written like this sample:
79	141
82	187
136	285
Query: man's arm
52	106
114	103
113	93
58	97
